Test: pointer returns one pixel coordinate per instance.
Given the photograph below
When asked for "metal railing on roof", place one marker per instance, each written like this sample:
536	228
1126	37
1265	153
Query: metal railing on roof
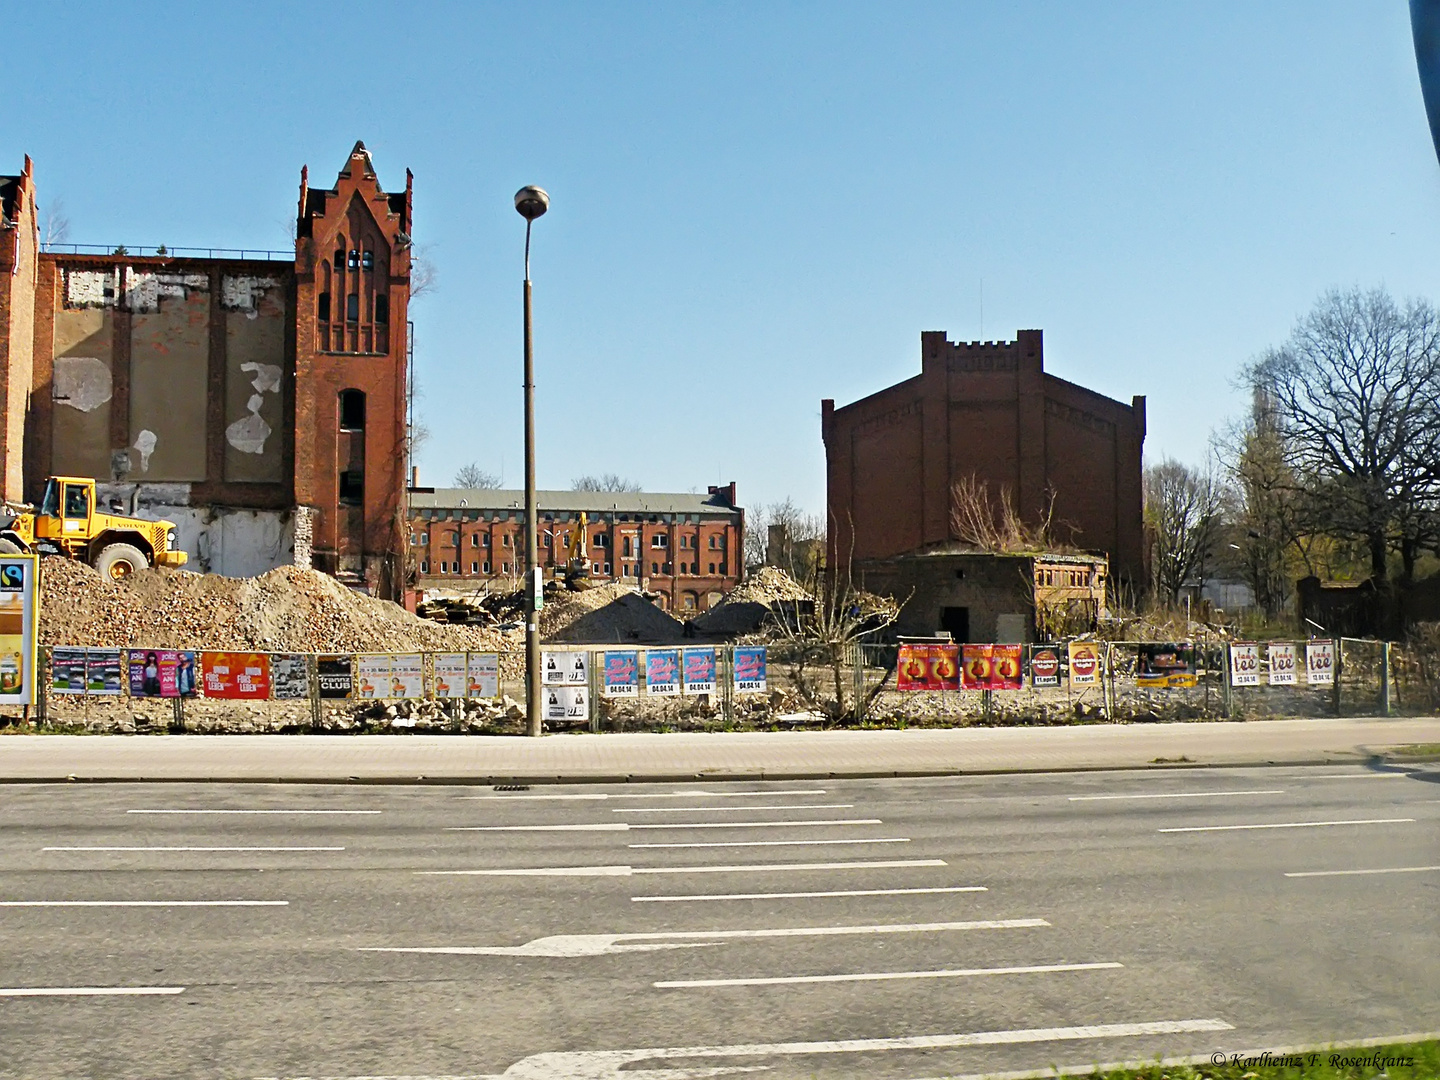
162	251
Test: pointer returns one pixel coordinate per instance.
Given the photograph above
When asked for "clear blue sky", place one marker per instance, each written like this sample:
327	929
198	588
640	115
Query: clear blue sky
760	205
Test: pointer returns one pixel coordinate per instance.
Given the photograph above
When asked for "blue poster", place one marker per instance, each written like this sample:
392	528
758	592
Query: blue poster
622	673
700	670
750	670
662	672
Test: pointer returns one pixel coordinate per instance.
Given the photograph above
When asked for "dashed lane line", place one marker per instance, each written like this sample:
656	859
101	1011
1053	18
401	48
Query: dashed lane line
628	871
885	976
626	826
88	991
1177	795
1289	825
192	849
776	843
142	903
1356	873
804	895
254	811
728	809
601	795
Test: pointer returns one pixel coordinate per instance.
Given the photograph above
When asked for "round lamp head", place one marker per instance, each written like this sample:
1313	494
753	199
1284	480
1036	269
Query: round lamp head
531	202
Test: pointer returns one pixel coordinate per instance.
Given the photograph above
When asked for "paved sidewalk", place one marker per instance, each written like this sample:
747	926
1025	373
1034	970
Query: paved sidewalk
675	757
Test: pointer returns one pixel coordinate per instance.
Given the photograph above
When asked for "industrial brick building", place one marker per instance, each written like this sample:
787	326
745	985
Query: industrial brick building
687	548
255	398
990	411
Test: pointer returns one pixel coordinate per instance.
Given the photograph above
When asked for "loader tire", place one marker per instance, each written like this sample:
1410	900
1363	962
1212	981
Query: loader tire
118	561
9	547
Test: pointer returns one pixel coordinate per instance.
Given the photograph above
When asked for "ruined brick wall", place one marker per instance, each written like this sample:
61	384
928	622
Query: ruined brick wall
988	410
19	244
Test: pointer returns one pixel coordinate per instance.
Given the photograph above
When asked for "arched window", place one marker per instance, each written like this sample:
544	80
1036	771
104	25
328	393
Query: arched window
322	307
352	410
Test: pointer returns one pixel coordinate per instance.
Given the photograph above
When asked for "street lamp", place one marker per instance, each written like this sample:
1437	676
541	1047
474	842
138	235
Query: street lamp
530	203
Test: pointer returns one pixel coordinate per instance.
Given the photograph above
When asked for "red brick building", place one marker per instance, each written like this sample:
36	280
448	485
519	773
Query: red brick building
256	398
687	548
991	411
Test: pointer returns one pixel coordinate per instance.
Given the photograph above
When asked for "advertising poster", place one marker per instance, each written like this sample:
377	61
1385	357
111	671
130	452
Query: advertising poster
1244	664
750	670
483	675
1282	665
1045	667
992	667
1320	663
928	667
450	672
1084	663
662	672
700	670
567	703
19	618
102	672
622	673
407	676
372	676
565	669
67	670
336	675
161	673
1167	665
290	676
242	676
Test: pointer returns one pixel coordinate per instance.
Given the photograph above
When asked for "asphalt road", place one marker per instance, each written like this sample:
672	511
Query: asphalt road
879	928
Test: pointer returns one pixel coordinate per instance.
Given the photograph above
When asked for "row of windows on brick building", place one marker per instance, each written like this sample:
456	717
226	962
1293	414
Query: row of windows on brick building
657	569
422	539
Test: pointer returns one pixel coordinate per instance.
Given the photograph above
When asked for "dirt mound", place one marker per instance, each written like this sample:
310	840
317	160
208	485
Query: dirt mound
747	606
767	585
607	614
284	610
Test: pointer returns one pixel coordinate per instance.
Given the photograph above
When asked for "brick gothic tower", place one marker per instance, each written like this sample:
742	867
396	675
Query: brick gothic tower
352	273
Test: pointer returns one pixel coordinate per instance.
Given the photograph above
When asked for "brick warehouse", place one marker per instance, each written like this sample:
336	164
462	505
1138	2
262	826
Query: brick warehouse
255	398
686	548
991	411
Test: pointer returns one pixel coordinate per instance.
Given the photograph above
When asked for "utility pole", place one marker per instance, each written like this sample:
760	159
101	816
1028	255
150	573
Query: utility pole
531	202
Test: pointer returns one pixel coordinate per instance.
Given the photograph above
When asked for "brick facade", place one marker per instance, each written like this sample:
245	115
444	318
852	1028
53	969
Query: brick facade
987	410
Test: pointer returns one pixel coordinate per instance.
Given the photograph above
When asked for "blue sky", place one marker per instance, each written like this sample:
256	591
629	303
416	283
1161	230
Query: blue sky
756	206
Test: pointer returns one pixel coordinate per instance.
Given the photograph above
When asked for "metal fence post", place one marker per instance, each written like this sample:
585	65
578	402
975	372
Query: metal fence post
1227	688
1335	674
595	678
1387	681
859	681
42	689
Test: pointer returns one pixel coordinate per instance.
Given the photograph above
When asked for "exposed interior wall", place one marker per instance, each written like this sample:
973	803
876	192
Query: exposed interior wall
82	390
18	271
255	327
169	351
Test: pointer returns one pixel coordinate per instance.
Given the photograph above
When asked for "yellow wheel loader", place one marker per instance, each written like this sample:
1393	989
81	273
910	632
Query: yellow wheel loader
67	522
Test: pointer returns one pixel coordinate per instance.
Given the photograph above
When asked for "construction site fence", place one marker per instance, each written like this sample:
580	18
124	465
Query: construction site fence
798	683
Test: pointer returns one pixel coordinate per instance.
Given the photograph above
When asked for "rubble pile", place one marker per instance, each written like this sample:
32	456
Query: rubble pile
608	614
745	609
285	610
768	585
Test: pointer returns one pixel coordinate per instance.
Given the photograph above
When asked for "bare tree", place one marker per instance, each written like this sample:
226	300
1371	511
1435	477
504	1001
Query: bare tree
1356	399
424	278
1183	515
797	536
606	482
472	476
54	225
995	525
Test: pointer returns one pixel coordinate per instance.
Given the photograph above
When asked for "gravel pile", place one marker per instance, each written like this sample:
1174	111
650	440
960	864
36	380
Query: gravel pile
607	614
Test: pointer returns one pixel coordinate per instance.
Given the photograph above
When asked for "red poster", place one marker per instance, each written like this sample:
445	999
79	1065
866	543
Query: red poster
992	667
236	675
928	667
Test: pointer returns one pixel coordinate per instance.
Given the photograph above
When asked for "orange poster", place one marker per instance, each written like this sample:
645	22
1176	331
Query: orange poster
928	667
236	675
992	667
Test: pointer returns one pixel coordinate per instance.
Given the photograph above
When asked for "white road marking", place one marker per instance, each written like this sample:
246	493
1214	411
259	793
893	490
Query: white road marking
803	895
569	946
627	871
88	991
1349	873
728	809
1291	825
625	826
253	811
885	976
192	849
775	843
609	1064
649	795
1177	795
144	903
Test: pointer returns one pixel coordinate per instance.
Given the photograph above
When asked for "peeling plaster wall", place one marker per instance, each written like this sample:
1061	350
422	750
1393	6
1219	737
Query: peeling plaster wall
255	324
82	388
169	357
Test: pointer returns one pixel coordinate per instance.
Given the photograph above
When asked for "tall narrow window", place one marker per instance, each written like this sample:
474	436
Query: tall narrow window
352	308
367	260
352	488
322	307
382	308
352	410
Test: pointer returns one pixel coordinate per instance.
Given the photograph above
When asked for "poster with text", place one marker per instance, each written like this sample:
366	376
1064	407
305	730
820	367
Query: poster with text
1045	667
67	670
19	629
1244	664
336	675
450	670
1320	663
662	672
1084	663
1166	665
700	670
928	666
372	676
102	672
483	675
290	676
567	703
236	675
622	673
407	676
161	672
991	667
1282	664
565	669
749	670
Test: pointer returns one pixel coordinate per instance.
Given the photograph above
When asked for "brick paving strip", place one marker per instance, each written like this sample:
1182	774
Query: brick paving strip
694	756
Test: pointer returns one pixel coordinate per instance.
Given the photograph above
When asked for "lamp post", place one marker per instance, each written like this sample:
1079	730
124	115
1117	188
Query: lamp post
530	203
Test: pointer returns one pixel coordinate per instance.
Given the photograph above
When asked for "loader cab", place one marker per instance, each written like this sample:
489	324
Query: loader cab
66	510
